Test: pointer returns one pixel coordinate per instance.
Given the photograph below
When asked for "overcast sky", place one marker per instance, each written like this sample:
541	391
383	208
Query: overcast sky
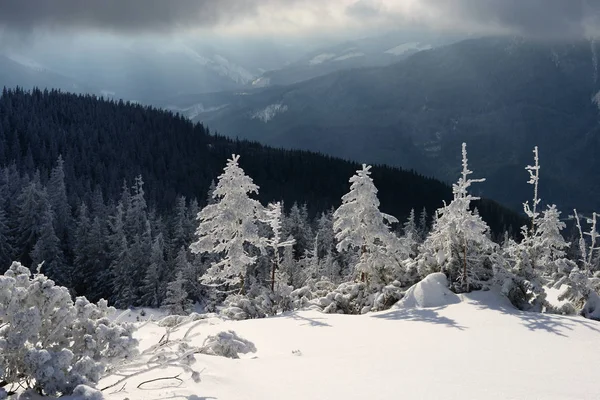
541	18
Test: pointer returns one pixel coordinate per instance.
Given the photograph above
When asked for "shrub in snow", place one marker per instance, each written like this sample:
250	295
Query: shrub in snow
227	344
302	297
175	320
358	298
52	344
83	392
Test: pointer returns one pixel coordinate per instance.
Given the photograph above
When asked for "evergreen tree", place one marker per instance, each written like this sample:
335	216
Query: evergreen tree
360	226
411	235
121	267
458	244
82	271
32	213
423	225
153	291
230	225
176	300
57	195
325	235
296	224
179	236
47	250
6	250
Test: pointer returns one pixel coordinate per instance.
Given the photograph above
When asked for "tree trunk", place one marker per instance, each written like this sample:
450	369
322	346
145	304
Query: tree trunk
242	289
465	278
275	267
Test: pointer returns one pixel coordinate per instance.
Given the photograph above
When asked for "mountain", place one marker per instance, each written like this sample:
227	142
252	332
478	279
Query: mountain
19	71
502	96
105	143
147	71
365	52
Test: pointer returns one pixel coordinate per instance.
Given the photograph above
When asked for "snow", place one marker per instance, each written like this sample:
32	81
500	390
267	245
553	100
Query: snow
261	82
430	292
269	112
406	47
321	58
552	295
479	348
348	56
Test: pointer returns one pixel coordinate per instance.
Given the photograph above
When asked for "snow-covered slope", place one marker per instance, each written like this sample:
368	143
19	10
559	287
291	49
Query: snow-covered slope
480	348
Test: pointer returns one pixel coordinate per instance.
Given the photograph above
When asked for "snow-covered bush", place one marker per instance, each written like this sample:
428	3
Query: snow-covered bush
227	344
358	298
50	343
302	297
175	320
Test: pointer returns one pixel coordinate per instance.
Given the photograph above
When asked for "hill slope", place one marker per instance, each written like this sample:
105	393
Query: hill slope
480	348
501	95
104	143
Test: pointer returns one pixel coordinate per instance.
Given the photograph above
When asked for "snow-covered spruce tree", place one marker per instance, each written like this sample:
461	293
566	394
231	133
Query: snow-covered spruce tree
296	224
177	301
153	289
423	225
57	195
410	234
50	343
361	227
121	268
275	243
47	251
229	226
458	244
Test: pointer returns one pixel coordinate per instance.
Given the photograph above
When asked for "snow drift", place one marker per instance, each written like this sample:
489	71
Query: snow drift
430	292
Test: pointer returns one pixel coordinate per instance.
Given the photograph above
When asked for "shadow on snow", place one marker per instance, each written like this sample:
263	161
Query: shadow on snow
429	315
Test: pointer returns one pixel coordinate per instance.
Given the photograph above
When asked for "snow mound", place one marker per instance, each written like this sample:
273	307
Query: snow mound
227	344
430	292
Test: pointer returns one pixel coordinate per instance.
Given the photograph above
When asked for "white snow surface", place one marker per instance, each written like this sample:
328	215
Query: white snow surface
321	58
430	292
479	348
269	112
348	56
405	47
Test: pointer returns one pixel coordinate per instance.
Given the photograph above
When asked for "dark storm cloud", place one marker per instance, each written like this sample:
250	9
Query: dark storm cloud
540	18
122	15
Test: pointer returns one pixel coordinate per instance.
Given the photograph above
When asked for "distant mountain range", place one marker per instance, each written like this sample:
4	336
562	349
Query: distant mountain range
502	96
367	52
161	72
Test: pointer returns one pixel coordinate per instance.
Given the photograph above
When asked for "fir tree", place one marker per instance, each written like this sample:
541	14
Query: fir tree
153	291
57	195
47	251
230	225
458	244
360	226
176	300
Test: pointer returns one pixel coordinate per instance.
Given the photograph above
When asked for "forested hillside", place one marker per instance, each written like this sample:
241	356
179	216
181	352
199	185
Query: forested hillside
91	186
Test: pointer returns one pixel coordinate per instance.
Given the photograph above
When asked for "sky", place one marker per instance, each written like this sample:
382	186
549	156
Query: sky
135	18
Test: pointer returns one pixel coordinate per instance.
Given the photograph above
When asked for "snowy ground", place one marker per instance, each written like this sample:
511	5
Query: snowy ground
480	348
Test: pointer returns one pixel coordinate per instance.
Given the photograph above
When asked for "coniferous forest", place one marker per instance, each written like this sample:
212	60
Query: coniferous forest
106	193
